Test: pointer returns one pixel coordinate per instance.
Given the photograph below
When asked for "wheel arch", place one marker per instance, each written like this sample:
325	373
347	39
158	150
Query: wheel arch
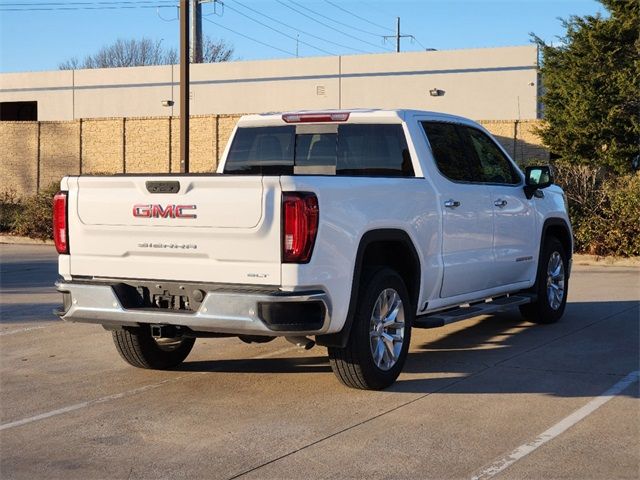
558	228
373	249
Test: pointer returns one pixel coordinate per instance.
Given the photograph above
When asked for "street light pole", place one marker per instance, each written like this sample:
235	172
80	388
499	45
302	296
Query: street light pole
184	86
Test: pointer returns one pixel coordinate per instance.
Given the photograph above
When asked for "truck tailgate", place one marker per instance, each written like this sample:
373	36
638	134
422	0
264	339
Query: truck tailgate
216	228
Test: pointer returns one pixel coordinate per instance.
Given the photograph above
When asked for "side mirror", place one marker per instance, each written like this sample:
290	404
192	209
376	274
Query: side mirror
536	178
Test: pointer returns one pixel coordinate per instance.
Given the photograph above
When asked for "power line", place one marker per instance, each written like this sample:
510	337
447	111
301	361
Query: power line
249	38
168	20
59	6
329	26
413	37
278	31
419	42
68	9
115	2
358	16
297	30
334	20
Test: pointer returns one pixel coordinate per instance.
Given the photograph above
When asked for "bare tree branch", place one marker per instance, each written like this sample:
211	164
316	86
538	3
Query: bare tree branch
134	53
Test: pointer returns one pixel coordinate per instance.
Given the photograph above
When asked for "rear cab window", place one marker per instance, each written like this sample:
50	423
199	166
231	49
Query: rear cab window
321	149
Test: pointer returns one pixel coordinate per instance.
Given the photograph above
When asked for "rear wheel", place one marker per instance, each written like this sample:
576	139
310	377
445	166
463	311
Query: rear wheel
551	286
140	349
379	339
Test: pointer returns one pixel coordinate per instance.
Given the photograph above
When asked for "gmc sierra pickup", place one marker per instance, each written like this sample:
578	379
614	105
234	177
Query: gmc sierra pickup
352	227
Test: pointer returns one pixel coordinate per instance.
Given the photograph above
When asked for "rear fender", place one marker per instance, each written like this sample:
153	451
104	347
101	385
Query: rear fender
341	338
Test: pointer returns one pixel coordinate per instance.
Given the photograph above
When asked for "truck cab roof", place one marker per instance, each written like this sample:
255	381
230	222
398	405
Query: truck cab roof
359	115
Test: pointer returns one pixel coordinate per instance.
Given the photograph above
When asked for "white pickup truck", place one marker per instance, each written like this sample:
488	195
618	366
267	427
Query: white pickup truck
352	227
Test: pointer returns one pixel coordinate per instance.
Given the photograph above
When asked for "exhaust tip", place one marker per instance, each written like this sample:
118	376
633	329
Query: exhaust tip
302	342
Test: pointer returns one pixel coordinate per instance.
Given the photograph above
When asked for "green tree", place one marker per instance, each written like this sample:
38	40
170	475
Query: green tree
591	94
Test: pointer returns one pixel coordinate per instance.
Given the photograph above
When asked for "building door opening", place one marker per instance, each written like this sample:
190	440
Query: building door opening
18	111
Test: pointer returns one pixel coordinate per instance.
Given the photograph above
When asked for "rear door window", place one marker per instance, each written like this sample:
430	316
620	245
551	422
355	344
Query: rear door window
453	154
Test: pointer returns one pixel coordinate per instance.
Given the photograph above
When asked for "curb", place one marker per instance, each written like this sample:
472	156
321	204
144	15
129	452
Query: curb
17	240
596	261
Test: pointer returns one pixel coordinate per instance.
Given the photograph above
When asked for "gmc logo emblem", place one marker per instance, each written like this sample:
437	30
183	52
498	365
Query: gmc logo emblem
158	211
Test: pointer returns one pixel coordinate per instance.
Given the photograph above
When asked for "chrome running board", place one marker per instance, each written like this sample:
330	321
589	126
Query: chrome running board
464	312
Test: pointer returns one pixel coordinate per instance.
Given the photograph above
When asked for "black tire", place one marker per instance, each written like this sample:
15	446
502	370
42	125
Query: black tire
138	348
354	365
542	311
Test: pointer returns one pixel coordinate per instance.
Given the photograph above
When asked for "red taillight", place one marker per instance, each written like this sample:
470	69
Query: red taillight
300	225
315	117
60	230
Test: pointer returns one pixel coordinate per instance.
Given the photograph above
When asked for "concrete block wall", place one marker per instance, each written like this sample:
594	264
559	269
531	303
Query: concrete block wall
226	124
529	148
208	135
202	138
59	151
35	154
19	157
175	145
519	139
102	146
146	145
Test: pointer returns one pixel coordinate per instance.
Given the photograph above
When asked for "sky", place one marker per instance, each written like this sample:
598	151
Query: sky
36	40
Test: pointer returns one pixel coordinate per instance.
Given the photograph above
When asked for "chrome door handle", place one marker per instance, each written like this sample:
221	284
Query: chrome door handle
452	204
500	203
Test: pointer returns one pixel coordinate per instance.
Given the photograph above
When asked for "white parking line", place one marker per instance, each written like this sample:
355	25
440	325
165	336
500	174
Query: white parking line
89	403
559	428
21	330
116	396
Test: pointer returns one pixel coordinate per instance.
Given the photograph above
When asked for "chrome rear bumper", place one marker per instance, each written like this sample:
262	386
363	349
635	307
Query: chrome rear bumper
272	314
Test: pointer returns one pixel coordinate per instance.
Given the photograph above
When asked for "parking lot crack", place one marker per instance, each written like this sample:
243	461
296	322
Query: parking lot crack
356	425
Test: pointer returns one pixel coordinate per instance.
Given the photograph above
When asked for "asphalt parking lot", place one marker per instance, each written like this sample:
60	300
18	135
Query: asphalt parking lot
488	397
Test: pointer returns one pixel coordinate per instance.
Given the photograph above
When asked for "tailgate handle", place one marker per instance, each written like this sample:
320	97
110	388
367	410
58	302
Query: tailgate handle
163	187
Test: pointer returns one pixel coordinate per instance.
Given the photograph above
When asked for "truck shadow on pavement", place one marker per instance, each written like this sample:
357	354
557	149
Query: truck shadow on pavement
27	291
504	352
21	276
28	312
315	364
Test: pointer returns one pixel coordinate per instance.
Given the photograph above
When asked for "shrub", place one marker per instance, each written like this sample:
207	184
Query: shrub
616	229
34	219
9	210
604	209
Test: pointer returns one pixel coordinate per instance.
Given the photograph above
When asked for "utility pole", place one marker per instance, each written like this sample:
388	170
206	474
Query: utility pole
195	17
184	86
398	35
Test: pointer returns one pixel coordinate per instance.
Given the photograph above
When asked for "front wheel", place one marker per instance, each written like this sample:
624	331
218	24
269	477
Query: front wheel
379	339
140	349
552	284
